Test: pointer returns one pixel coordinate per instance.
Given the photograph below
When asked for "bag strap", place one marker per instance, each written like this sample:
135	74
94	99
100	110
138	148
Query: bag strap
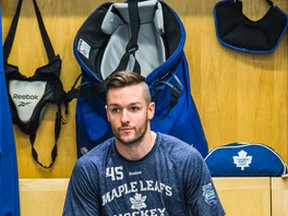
85	90
51	57
54	151
46	40
175	92
270	2
132	45
11	34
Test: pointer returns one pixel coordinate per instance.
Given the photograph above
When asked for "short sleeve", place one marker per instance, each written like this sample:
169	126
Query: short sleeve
201	194
82	194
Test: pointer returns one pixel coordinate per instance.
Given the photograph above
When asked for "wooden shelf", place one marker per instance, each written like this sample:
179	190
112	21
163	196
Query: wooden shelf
249	196
244	196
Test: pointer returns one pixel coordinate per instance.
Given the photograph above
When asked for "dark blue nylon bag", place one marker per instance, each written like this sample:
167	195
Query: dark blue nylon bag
169	82
236	31
245	159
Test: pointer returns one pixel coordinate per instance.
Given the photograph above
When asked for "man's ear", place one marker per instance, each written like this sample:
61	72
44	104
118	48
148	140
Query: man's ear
151	110
106	108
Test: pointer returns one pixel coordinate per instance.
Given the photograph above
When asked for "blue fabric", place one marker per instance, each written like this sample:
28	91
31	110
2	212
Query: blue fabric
182	121
245	159
9	187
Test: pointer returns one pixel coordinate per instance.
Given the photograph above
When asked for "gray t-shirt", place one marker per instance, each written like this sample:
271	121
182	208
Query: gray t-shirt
172	179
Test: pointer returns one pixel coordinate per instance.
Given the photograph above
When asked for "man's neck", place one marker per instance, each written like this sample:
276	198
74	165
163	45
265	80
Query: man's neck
138	150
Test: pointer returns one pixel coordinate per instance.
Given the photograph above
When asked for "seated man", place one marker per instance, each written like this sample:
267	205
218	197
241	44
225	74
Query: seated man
139	171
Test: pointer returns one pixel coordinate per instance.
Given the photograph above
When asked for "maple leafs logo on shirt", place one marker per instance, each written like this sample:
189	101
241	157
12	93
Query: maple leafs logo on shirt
138	202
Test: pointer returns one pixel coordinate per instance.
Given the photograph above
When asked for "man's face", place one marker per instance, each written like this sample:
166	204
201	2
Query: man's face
128	113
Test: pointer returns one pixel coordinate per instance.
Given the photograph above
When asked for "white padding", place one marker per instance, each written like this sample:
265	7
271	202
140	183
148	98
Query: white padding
151	52
26	96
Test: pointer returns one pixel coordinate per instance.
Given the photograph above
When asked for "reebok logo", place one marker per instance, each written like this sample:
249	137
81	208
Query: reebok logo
25	97
23	104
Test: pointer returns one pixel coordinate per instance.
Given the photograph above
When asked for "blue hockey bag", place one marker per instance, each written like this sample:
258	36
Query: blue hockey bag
146	37
245	159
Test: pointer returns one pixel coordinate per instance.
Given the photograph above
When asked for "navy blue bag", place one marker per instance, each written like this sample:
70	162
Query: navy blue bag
245	159
146	37
236	31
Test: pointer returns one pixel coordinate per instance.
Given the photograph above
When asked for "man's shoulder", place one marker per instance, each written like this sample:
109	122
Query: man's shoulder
167	137
175	145
173	141
102	146
96	155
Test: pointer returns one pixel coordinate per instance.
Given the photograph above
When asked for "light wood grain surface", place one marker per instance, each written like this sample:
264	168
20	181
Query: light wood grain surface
239	96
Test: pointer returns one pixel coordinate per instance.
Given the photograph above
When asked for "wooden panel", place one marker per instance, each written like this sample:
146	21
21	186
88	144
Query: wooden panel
239	196
279	188
239	96
244	196
62	20
43	197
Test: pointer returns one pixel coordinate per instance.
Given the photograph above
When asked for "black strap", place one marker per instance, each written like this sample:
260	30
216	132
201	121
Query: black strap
270	3
11	34
132	45
54	151
85	90
45	37
175	92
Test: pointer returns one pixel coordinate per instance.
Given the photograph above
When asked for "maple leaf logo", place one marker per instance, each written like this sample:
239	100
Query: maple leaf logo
138	202
242	160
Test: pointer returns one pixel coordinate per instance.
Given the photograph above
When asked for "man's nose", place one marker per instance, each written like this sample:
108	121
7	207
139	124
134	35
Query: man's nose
124	115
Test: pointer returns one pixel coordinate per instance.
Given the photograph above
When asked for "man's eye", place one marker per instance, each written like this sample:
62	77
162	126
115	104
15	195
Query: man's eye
115	110
134	109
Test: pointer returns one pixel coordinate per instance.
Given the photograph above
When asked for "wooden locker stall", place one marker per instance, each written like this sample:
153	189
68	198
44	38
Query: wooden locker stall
239	96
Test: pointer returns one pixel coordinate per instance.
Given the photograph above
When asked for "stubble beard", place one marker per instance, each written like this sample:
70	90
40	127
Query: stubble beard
139	135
